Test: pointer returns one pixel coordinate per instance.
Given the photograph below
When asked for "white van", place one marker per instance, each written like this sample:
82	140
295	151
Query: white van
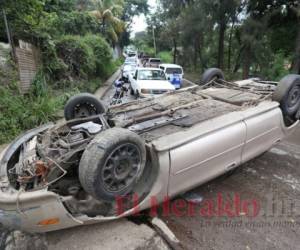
174	74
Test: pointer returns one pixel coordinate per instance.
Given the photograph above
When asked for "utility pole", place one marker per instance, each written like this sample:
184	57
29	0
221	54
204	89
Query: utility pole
154	41
8	34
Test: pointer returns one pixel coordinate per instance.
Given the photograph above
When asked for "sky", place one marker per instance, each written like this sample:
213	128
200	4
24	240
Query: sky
139	22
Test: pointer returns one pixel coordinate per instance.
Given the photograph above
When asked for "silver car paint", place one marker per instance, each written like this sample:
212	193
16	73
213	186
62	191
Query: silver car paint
186	159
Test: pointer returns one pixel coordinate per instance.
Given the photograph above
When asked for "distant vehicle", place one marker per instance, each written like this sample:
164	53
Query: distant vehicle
131	61
174	74
120	90
148	82
144	58
132	54
127	71
152	63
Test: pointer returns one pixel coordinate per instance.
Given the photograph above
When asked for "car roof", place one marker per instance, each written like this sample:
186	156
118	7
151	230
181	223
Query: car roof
169	65
148	68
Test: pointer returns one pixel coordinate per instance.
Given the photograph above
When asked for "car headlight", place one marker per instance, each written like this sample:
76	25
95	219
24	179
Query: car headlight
146	91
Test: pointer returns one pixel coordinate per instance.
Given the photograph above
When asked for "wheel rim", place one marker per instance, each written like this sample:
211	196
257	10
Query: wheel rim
83	110
294	97
121	168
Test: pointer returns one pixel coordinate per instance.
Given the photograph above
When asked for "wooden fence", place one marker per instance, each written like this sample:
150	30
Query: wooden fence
27	65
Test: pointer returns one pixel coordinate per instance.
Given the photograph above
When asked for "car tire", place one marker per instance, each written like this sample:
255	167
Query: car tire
83	105
112	164
287	94
211	74
131	91
137	94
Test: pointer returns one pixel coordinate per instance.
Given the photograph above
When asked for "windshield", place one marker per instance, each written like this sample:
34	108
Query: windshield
130	59
151	75
129	68
155	61
174	71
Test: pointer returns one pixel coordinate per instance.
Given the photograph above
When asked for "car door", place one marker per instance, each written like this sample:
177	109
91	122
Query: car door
206	157
133	81
263	131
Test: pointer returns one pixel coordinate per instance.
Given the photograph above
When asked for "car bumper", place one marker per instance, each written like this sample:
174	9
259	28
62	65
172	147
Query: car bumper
38	211
29	210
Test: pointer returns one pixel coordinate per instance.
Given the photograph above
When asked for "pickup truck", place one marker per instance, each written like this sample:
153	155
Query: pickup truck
72	173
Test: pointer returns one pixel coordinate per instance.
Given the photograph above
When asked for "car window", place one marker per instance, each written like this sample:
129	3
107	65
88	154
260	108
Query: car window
155	61
151	75
174	71
129	67
130	60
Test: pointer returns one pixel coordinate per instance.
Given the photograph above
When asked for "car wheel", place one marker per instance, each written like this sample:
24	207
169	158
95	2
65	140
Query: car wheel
112	164
131	91
137	94
287	94
83	105
212	74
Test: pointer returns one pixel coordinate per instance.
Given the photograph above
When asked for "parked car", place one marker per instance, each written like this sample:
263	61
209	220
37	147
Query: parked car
132	54
147	82
128	69
75	172
174	74
131	61
152	63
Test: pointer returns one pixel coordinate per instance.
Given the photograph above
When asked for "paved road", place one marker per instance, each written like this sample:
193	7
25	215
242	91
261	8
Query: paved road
127	98
273	180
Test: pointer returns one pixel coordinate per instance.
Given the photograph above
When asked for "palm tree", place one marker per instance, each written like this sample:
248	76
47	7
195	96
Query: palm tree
108	12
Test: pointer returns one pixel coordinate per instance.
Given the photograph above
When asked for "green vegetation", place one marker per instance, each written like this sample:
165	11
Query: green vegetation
244	38
165	56
75	41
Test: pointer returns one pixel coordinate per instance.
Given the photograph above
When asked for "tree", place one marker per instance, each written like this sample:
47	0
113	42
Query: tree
108	12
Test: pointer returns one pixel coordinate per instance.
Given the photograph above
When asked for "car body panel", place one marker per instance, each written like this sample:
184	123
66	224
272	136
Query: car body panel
175	79
184	160
155	85
153	63
25	210
206	157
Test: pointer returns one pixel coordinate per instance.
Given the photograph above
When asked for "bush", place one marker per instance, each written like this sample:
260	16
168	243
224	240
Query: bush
102	54
84	57
77	55
278	68
19	113
165	56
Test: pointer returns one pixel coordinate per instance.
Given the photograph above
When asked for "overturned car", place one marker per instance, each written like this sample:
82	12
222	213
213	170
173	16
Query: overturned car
73	172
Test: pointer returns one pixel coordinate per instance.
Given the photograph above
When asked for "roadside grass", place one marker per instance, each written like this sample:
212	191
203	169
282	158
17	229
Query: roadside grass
19	113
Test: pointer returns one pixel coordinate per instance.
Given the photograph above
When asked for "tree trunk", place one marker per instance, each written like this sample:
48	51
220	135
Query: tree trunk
230	46
238	60
203	63
247	62
296	63
221	44
196	42
175	51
